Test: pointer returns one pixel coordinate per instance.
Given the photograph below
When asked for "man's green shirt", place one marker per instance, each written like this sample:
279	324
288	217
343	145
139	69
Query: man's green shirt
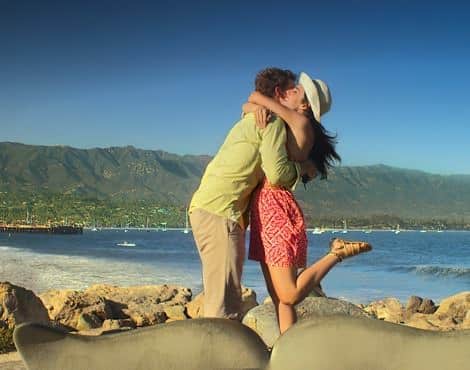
247	155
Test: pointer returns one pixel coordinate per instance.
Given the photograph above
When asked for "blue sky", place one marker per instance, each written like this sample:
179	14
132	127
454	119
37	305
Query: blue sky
173	75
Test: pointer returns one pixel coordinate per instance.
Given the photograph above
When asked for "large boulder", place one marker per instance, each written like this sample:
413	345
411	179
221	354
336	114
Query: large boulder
453	314
77	310
127	306
262	319
388	309
455	307
17	305
422	321
195	308
419	305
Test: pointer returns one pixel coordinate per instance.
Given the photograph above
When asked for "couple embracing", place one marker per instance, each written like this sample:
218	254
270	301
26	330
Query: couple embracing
278	142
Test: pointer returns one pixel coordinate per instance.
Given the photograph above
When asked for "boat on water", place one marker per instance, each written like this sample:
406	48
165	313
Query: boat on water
186	224
397	230
345	227
317	230
126	244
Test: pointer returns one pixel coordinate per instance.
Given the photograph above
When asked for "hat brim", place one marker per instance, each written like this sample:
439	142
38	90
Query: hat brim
311	92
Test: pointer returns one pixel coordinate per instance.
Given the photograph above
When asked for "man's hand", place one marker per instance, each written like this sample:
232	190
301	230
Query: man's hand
262	116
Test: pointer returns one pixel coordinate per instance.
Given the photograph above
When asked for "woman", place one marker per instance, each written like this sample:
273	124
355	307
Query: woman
278	237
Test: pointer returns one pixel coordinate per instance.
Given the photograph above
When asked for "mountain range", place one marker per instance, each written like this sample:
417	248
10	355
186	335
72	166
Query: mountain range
128	173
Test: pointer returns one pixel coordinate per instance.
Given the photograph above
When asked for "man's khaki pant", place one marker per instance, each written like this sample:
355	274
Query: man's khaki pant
221	246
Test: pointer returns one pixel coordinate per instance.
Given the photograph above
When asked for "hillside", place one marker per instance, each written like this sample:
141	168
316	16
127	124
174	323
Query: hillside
127	173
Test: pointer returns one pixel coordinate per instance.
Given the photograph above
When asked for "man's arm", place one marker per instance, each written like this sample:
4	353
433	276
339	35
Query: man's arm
277	167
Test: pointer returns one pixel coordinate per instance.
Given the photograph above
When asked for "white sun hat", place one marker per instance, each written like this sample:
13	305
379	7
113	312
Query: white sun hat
318	95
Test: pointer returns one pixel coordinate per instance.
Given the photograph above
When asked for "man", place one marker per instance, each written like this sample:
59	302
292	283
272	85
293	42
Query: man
219	208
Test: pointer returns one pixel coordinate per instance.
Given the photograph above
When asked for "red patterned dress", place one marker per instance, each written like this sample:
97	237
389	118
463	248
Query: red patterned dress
277	228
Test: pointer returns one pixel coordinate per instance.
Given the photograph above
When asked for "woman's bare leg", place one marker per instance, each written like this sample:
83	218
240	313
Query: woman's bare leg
269	285
290	289
286	315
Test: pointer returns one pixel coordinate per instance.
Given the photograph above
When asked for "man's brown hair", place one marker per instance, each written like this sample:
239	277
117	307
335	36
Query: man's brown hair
268	79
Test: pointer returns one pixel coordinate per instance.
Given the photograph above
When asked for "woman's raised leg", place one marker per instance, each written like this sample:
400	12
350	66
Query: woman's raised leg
287	288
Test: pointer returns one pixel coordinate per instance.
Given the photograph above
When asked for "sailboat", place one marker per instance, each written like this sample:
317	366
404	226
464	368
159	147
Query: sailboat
397	230
125	243
186	224
317	230
345	227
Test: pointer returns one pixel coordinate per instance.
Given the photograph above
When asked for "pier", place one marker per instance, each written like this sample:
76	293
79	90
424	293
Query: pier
43	229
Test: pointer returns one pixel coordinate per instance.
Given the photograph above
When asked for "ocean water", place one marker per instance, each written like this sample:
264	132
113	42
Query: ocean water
432	265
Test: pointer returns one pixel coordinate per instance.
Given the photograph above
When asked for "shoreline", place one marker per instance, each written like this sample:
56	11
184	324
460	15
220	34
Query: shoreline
310	229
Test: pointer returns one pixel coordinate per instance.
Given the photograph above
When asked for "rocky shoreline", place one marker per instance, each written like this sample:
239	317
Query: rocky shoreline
101	309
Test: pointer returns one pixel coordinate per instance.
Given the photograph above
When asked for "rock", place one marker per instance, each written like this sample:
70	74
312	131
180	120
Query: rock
109	324
418	305
146	317
452	314
144	305
141	294
413	305
20	305
444	324
6	340
455	307
87	321
17	305
55	300
388	309
176	312
466	321
248	300
262	319
195	308
427	307
77	310
421	321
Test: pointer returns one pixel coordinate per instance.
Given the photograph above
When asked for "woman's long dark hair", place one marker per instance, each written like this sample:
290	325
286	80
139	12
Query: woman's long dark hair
323	153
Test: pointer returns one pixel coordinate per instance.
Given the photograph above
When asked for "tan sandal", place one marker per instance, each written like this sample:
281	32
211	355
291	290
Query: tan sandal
345	249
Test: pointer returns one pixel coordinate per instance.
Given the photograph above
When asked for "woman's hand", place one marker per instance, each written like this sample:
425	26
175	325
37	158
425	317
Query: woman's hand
256	98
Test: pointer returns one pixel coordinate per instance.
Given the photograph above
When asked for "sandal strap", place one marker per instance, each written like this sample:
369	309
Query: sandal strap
336	255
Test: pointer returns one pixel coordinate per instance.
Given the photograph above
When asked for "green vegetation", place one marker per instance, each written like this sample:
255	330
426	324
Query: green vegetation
6	340
67	209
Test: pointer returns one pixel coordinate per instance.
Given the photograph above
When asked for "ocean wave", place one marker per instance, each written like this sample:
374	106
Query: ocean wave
42	272
439	271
